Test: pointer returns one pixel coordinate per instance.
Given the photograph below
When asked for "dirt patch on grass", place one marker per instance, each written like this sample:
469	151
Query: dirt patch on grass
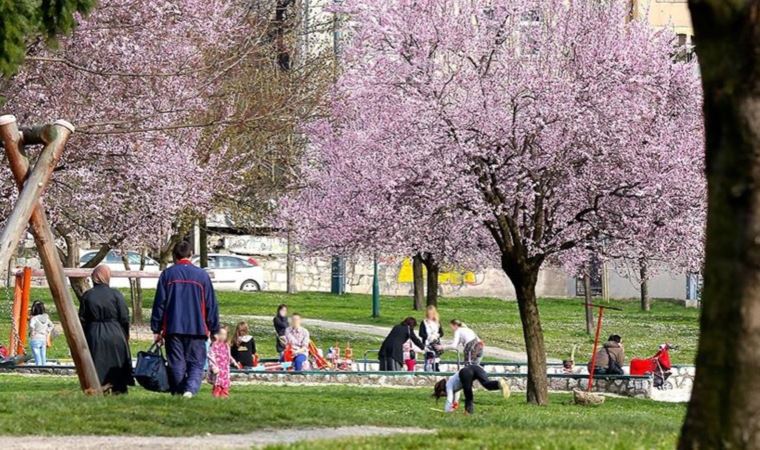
231	441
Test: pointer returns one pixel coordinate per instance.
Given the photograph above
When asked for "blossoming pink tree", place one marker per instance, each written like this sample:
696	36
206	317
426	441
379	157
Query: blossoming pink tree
544	125
137	79
360	206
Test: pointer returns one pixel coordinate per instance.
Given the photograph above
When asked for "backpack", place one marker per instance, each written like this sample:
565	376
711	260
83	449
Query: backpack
613	368
150	370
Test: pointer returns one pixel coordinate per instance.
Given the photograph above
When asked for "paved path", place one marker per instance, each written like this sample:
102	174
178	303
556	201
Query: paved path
232	441
672	395
376	330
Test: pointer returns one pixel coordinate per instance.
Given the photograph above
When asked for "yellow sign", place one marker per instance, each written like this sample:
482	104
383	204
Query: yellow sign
406	275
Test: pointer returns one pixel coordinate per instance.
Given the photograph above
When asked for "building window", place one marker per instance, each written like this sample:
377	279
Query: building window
685	44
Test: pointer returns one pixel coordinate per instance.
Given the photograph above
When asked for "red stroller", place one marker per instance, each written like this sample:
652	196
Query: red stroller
658	366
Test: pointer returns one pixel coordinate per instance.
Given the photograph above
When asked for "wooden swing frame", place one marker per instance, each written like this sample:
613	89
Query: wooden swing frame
29	212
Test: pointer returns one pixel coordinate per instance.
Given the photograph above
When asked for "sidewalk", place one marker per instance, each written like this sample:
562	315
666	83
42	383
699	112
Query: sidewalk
255	439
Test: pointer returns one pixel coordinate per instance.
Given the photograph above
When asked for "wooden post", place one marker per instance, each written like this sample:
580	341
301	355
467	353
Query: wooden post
23	325
13	341
45	241
30	191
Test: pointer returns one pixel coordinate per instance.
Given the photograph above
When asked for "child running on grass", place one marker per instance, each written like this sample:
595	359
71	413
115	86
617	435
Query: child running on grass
219	360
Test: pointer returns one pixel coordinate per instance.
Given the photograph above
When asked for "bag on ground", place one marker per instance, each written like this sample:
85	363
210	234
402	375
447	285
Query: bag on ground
150	370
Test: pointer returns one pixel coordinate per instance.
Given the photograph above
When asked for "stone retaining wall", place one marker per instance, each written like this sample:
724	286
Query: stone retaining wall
638	387
682	377
627	386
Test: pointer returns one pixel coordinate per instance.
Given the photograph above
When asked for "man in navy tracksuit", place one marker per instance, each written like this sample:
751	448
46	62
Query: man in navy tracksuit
185	312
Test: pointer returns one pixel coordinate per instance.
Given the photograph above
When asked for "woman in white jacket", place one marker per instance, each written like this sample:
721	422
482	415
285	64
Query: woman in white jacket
467	339
431	333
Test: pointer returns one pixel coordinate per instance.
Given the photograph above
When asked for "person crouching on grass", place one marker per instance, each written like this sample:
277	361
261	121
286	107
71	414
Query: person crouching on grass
219	360
463	381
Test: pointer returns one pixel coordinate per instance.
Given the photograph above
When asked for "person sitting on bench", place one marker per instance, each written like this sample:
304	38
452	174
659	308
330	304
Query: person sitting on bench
610	358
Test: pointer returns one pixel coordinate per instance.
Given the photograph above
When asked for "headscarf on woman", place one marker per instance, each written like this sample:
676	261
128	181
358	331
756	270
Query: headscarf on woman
105	320
101	275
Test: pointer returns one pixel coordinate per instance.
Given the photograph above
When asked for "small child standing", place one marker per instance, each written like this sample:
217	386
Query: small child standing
243	347
219	359
40	327
410	358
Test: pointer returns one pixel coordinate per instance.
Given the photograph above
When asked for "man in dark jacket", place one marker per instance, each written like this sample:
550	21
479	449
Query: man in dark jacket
610	358
185	312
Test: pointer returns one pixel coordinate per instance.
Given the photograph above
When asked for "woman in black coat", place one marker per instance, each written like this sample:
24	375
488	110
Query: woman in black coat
281	324
105	319
392	351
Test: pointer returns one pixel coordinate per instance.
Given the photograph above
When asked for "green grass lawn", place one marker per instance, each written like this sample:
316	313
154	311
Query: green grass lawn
54	406
496	321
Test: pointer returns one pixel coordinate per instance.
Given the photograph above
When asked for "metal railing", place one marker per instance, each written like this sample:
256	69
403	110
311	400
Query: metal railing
366	360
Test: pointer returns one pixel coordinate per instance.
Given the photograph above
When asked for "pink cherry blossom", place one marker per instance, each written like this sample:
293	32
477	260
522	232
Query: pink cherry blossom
522	132
137	79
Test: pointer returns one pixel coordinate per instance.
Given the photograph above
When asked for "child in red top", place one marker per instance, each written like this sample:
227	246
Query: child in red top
410	358
219	359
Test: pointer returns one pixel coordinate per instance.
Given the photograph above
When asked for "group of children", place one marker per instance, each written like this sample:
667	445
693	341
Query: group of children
239	350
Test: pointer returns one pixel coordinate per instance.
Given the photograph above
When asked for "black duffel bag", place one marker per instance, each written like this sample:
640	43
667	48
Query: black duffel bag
150	370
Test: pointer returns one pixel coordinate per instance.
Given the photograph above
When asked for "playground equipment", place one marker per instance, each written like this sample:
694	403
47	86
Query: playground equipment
596	341
28	211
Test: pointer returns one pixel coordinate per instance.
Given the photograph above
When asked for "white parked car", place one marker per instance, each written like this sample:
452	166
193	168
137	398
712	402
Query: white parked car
232	272
114	262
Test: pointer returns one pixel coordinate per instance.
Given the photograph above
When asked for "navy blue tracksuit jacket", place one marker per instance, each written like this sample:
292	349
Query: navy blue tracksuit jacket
185	302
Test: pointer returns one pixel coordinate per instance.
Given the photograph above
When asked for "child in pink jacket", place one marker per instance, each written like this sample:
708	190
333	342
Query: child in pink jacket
219	359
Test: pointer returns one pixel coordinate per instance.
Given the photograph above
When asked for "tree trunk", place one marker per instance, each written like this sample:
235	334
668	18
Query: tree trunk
723	412
203	238
80	285
165	253
589	310
137	313
524	278
646	302
280	28
433	270
133	301
290	267
70	258
419	282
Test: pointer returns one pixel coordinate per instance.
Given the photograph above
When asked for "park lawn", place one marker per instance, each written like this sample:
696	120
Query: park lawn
496	321
45	405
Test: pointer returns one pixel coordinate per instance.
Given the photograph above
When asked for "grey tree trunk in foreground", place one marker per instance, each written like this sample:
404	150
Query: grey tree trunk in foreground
724	411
